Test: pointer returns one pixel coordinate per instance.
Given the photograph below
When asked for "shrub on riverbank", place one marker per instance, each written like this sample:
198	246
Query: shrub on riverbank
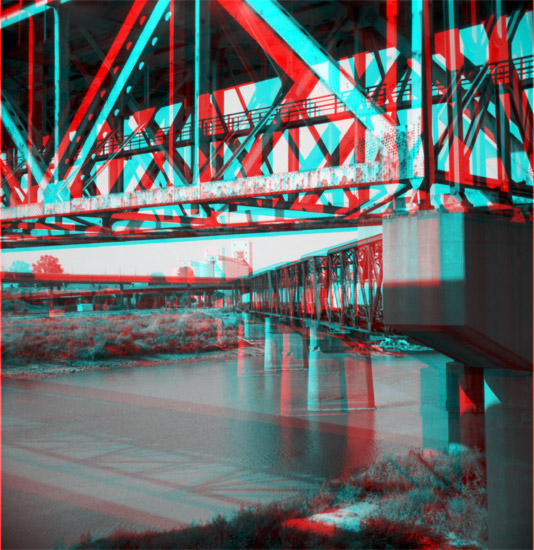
446	493
420	502
90	338
270	527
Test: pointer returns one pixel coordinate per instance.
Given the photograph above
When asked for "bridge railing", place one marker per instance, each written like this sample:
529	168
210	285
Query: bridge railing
308	109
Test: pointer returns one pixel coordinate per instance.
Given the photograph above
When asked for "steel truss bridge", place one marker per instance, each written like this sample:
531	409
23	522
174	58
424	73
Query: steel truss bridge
341	288
139	120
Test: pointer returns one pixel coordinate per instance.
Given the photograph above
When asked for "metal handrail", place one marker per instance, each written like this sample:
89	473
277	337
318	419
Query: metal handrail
312	108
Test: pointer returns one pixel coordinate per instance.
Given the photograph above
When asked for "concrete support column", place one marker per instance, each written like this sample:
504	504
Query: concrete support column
465	406
240	350
433	408
508	402
286	351
269	362
313	369
472	418
452	404
246	324
292	350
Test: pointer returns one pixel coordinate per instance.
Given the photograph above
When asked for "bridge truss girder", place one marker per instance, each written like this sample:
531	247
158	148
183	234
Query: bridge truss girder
65	176
342	288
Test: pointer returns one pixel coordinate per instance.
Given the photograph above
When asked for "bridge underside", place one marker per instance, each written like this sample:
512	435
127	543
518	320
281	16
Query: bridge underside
139	120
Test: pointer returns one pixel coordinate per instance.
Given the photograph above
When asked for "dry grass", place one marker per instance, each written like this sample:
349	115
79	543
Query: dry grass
267	527
422	501
27	341
446	493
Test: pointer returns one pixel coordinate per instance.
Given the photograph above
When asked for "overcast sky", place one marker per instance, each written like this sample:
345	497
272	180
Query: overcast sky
164	256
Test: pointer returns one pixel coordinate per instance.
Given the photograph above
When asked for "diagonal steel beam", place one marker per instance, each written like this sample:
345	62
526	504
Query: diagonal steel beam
278	99
17	195
152	128
79	121
117	88
8	117
18	14
287	43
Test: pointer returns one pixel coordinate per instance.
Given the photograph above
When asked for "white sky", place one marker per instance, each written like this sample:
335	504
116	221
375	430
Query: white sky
164	256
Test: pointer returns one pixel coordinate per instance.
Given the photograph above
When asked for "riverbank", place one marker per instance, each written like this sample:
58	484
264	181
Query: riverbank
419	501
63	344
42	346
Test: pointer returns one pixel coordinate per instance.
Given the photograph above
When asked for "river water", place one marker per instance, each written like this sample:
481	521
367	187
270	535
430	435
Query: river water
142	448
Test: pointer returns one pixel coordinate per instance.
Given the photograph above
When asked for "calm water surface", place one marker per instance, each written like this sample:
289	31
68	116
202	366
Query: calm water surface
154	448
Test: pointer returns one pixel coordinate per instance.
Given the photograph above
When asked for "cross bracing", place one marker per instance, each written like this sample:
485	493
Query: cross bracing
380	107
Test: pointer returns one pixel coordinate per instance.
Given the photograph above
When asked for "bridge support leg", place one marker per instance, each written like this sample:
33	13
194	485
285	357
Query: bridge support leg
270	352
472	418
292	350
246	324
240	350
434	414
313	369
508	402
452	407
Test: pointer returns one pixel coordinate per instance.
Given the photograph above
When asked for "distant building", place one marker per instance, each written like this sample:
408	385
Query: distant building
242	250
217	264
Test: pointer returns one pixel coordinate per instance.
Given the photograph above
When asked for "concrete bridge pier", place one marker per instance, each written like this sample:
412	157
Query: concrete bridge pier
292	350
240	350
246	324
220	332
508	401
313	369
269	361
434	409
471	407
464	406
462	284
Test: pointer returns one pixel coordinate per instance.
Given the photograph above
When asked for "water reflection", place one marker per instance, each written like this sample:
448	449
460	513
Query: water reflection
306	370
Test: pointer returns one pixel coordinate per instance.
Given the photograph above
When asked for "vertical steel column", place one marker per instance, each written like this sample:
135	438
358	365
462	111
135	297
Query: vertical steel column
359	76
343	275
504	151
378	276
454	106
204	82
57	88
31	195
330	288
356	313
426	104
170	136
316	295
196	92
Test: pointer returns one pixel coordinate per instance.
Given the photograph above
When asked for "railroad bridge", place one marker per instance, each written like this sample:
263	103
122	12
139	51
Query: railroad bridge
130	121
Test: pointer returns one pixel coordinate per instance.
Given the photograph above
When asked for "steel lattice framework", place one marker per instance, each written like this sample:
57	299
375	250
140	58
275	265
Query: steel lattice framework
135	120
342	287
